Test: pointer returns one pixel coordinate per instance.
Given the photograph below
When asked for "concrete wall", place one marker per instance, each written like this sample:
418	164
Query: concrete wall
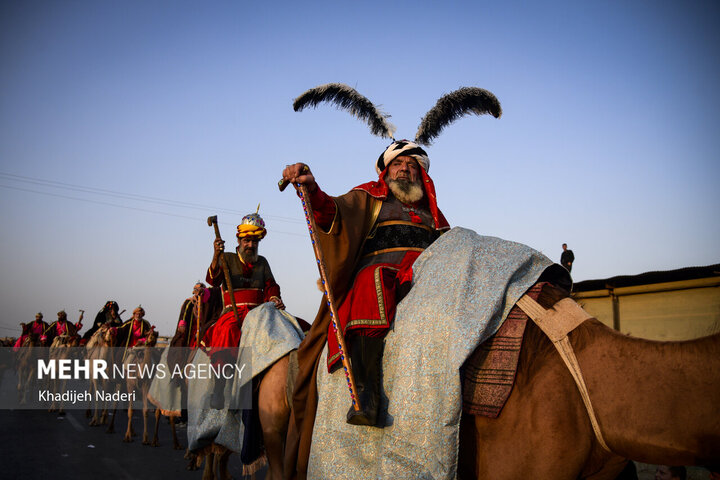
664	311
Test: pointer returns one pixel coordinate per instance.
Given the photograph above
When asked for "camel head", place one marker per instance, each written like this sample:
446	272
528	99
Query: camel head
151	338
109	335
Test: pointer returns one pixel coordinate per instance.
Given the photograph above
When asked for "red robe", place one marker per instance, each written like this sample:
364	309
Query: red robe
252	286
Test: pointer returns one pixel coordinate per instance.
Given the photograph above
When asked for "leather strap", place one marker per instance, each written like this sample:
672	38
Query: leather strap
556	323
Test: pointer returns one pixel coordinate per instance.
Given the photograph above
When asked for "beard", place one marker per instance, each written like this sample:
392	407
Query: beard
406	191
249	255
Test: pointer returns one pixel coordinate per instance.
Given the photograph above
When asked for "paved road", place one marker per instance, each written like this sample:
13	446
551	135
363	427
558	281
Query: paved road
36	444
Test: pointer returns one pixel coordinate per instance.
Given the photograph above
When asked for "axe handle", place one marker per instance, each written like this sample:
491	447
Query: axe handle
226	270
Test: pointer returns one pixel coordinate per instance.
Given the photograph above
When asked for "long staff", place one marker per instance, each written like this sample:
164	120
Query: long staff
197	321
310	219
212	222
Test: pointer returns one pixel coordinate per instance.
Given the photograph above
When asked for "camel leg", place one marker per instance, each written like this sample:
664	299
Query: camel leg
104	415
92	412
176	442
155	442
100	411
128	432
111	426
27	386
53	390
274	413
63	387
209	465
193	460
146	439
146	435
222	465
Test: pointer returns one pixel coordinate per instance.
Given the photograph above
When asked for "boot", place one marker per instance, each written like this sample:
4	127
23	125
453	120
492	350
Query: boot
366	358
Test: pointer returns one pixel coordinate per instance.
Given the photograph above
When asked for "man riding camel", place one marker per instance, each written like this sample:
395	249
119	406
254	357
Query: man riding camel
108	314
195	314
63	327
134	330
370	238
381	227
187	332
252	284
36	327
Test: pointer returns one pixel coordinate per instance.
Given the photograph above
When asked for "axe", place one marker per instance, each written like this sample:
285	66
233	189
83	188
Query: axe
212	222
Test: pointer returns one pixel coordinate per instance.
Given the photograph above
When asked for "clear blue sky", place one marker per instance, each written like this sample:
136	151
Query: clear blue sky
124	125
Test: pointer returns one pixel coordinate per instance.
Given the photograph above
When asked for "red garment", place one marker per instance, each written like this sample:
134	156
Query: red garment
130	332
253	284
136	332
61	328
226	331
369	306
36	328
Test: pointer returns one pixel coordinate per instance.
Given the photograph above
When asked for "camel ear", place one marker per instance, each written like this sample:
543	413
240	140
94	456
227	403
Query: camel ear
454	105
349	99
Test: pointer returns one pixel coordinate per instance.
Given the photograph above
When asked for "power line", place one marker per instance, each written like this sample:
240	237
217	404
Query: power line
130	196
99	202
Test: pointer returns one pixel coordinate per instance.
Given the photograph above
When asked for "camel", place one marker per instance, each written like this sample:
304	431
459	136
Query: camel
143	358
274	413
27	366
60	349
101	346
192	465
656	402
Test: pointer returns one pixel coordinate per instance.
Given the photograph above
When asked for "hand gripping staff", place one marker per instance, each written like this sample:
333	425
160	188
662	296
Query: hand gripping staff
212	222
310	219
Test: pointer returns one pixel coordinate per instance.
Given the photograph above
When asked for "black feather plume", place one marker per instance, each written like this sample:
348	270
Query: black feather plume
349	99
453	106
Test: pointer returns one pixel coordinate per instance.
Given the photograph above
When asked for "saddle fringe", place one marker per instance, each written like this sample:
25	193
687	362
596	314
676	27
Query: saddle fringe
218	449
255	466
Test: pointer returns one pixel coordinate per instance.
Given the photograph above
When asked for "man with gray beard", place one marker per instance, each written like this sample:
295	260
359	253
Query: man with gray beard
252	284
370	237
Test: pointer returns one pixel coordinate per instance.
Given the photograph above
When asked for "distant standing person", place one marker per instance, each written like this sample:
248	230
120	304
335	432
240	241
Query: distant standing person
567	258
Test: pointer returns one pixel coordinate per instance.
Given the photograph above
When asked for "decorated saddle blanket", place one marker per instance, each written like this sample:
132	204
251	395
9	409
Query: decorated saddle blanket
488	375
464	287
166	392
268	334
